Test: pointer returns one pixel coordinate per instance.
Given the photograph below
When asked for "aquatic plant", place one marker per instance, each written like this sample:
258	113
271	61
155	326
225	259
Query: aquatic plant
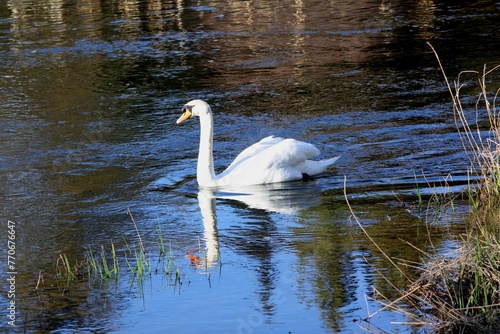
460	291
436	200
98	268
105	265
65	272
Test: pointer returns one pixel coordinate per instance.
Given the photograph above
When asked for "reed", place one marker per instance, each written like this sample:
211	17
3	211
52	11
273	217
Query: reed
65	271
166	259
438	204
98	268
419	193
105	265
460	291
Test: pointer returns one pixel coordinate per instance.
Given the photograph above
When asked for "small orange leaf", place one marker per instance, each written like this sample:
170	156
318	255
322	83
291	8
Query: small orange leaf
195	260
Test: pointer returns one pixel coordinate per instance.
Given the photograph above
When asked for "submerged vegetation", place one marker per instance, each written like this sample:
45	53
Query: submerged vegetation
134	261
460	291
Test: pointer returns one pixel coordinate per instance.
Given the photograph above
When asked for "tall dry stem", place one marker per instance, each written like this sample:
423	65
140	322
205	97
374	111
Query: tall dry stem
480	142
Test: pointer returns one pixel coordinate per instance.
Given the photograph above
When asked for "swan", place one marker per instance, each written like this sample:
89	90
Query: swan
271	160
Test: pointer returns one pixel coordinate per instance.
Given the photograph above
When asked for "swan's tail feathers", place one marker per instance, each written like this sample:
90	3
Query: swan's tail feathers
311	167
328	162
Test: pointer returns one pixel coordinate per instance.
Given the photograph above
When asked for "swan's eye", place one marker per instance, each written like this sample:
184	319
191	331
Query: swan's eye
186	113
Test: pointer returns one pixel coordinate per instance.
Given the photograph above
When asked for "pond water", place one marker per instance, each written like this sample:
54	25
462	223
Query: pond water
90	93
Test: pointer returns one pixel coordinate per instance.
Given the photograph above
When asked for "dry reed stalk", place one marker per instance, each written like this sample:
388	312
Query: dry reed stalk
460	292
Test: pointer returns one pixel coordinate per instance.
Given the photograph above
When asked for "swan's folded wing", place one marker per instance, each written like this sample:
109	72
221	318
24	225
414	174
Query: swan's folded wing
256	149
297	157
292	153
284	161
272	160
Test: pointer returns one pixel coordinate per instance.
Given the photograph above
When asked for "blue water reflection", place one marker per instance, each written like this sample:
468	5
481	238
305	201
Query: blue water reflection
90	92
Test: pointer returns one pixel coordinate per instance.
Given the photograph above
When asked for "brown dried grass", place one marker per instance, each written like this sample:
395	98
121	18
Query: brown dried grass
459	292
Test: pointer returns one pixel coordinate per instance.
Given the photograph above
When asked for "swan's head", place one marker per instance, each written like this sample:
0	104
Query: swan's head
194	108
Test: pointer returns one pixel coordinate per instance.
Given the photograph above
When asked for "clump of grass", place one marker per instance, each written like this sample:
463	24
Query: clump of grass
460	291
104	265
166	263
436	201
480	140
65	272
137	258
98	268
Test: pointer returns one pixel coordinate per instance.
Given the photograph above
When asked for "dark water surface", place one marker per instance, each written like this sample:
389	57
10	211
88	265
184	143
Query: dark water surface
90	91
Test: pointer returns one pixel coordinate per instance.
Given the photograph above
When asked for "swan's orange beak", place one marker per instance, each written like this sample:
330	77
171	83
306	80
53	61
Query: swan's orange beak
186	113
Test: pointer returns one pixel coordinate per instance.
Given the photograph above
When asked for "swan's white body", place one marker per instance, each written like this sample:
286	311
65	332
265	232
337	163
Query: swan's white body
271	160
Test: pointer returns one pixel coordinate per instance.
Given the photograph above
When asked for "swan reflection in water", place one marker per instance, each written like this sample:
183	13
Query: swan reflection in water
289	199
206	200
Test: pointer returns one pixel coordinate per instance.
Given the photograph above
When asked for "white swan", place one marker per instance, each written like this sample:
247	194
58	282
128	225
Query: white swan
271	160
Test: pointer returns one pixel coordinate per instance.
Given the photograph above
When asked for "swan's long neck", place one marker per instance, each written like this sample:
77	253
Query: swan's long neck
205	169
